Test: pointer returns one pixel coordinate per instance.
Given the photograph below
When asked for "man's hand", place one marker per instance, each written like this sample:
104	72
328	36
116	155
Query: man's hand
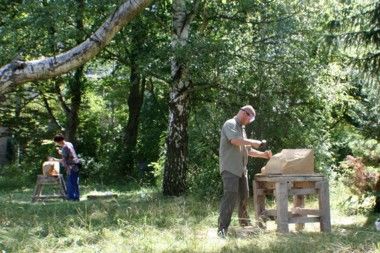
263	145
268	153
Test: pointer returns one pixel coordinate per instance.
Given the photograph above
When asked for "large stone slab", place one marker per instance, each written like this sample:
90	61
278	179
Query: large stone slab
290	161
50	168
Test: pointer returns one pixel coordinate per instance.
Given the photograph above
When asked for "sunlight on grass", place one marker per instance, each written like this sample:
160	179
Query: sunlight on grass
145	221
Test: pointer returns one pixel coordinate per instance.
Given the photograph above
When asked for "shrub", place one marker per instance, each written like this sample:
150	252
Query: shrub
15	176
361	183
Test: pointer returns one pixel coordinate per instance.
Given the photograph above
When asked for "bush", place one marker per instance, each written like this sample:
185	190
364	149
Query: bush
205	181
14	177
361	183
158	171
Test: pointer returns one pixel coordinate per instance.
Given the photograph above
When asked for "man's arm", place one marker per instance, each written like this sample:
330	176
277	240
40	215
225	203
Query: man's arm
255	153
245	142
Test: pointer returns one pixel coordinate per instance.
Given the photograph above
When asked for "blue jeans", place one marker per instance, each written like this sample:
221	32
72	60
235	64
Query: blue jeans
72	184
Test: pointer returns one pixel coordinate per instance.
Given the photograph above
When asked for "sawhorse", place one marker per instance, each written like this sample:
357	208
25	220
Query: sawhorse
49	180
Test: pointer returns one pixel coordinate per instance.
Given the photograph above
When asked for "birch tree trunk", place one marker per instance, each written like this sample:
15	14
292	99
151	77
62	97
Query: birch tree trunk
18	72
175	170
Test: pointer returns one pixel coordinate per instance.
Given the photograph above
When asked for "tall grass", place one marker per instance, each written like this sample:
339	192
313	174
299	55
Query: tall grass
142	220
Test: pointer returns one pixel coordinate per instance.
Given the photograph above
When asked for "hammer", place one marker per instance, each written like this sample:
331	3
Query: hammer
263	146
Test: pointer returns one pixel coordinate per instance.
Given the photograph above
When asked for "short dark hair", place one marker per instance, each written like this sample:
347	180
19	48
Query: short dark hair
58	138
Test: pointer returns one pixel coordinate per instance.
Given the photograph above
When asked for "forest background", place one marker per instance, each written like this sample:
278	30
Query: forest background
310	69
147	110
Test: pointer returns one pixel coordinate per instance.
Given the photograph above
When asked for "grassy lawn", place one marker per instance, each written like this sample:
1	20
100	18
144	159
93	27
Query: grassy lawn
145	221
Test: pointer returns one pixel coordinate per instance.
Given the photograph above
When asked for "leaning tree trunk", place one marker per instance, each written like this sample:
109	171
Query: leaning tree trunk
18	72
175	170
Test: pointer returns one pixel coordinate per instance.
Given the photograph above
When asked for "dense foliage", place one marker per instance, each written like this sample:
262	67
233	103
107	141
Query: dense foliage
291	61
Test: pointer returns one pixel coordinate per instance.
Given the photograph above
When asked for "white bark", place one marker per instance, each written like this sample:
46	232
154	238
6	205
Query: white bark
177	141
18	72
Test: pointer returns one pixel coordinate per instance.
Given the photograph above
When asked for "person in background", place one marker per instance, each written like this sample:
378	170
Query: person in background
71	163
234	150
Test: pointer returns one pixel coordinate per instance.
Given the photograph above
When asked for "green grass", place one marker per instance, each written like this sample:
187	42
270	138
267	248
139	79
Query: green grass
143	220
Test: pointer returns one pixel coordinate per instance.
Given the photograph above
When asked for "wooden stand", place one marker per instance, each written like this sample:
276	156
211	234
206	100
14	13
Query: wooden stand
49	180
283	186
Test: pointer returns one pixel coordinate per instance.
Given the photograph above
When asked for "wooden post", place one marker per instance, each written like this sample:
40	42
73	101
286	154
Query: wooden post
37	191
282	206
324	205
259	204
299	202
62	188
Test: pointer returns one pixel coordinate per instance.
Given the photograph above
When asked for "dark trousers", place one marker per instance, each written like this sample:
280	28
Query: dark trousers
235	189
72	184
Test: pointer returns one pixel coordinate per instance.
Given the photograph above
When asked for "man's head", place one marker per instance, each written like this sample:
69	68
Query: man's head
59	139
246	114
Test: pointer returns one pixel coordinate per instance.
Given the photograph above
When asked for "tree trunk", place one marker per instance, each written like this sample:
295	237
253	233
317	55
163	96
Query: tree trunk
135	102
136	96
18	72
175	170
76	84
377	192
72	116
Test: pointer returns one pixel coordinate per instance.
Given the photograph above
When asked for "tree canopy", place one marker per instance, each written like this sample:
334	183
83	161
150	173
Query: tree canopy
165	75
19	71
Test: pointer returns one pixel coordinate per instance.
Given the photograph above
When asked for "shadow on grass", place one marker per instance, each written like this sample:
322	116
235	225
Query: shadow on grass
147	211
146	206
353	240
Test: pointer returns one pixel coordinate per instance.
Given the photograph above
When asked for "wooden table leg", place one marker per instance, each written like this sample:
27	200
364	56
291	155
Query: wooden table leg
62	187
324	205
299	202
282	207
259	204
37	190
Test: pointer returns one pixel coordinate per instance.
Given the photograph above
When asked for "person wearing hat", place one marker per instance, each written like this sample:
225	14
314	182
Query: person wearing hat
234	150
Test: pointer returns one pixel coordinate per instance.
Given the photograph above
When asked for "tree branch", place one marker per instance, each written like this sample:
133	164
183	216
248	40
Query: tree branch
18	72
50	111
61	100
